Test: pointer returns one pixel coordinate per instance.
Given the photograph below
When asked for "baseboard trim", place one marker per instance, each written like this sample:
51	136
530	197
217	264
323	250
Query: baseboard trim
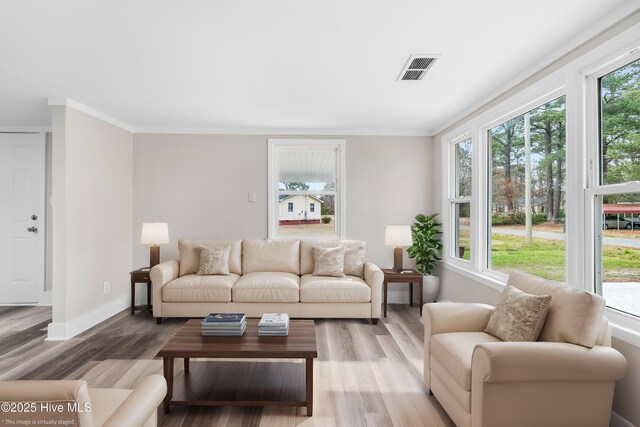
618	420
66	330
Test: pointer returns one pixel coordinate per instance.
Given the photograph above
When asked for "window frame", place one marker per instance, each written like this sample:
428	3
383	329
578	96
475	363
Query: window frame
487	160
594	190
453	199
273	144
570	76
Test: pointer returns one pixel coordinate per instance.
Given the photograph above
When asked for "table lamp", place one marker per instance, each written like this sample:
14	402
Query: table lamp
154	234
398	236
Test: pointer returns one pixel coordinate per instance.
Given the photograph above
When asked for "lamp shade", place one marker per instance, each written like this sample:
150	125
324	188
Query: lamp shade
154	233
398	235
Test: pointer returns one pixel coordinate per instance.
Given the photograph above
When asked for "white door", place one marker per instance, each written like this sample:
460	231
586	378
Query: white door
22	188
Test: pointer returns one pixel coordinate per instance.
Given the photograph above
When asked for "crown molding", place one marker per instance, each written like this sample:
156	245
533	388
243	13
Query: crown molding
282	131
67	102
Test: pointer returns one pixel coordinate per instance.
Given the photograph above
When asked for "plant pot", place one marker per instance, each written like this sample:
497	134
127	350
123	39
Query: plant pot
430	288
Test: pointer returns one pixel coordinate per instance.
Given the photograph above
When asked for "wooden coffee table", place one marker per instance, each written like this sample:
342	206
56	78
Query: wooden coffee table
241	382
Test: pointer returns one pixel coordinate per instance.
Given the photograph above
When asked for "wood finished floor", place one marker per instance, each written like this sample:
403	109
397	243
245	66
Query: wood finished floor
365	375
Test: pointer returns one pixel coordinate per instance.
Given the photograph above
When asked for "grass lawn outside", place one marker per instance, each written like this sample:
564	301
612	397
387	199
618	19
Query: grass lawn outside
546	258
308	229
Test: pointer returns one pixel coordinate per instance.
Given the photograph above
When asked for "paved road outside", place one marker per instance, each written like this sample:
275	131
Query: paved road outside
613	241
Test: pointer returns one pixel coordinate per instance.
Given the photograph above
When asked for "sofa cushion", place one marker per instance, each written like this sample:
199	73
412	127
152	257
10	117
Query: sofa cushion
306	250
333	289
194	288
328	261
518	316
454	352
190	254
214	261
575	316
267	287
354	261
271	255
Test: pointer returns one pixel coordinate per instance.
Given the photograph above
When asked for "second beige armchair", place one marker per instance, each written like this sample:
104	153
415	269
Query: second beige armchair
565	379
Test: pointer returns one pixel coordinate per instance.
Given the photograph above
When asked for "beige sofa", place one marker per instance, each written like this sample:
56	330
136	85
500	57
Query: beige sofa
72	403
265	276
564	379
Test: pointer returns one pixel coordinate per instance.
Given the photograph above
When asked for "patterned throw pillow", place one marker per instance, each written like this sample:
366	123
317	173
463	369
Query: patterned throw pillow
214	261
328	261
354	261
518	316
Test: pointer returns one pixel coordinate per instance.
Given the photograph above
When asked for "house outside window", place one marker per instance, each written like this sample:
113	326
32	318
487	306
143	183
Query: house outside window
305	174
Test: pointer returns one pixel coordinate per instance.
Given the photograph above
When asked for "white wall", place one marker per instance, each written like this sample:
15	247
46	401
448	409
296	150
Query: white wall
199	184
92	193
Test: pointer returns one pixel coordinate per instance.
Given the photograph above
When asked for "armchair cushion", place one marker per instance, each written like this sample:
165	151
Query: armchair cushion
518	316
575	316
454	351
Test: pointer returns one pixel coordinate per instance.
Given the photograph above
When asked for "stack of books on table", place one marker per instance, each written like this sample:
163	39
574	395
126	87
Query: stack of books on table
273	324
224	324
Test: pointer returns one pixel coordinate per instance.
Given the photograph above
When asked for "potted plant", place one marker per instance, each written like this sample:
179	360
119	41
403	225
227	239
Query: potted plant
426	233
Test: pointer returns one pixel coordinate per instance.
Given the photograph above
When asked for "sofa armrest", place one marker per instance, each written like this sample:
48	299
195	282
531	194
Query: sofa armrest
140	404
160	275
500	362
374	277
443	317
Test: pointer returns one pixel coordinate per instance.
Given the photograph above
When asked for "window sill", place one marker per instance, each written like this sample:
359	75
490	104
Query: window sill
624	326
494	283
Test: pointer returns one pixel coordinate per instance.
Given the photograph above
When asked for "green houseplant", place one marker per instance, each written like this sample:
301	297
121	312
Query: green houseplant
426	233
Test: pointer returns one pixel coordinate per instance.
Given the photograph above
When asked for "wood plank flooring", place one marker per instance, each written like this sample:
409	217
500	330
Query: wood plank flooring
365	375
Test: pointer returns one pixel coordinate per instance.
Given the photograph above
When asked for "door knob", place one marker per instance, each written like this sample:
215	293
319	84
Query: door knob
34	217
33	230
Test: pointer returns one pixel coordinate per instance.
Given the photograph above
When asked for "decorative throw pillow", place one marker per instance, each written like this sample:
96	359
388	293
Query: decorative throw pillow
518	316
214	261
354	261
328	261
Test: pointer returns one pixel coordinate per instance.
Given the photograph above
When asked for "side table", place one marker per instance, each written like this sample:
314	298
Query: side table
140	276
406	276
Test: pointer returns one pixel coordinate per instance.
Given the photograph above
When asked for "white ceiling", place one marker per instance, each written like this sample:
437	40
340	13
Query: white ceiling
307	66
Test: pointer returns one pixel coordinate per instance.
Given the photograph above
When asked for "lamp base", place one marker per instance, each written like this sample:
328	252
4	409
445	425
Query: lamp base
397	259
154	255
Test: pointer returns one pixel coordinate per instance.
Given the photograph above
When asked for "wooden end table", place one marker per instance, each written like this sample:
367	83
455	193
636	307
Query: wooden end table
241	383
406	276
140	276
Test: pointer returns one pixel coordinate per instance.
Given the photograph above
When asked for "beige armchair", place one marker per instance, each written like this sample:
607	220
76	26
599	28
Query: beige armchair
73	403
564	379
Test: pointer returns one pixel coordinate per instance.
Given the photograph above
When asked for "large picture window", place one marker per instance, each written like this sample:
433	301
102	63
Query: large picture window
306	179
617	197
527	193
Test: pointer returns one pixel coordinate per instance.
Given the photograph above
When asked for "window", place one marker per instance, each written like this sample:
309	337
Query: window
460	198
306	174
617	190
526	206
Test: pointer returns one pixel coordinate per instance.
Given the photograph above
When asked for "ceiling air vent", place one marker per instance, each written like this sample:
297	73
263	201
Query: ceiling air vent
417	66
